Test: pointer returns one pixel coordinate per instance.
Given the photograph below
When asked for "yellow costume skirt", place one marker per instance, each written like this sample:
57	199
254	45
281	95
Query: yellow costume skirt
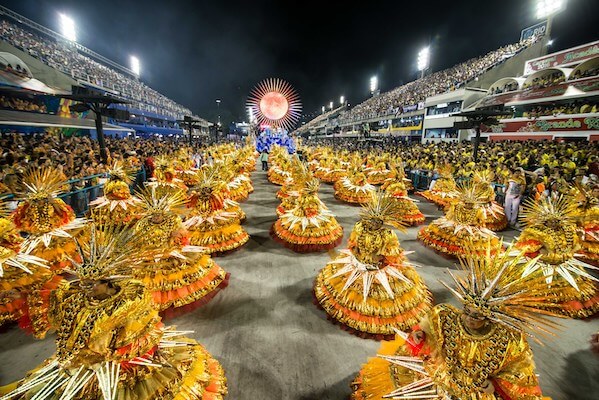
349	196
379	313
325	237
176	283
445	241
185	373
218	239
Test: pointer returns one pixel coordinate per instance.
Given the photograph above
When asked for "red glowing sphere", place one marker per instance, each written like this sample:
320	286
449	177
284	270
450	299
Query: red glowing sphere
274	105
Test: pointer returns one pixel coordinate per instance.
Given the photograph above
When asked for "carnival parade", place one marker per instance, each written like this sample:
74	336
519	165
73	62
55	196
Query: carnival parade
435	239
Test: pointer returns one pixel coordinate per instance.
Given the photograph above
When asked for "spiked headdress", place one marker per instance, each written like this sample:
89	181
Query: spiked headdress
382	210
560	210
494	286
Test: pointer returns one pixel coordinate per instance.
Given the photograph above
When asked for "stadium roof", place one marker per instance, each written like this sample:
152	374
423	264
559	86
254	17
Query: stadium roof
20	118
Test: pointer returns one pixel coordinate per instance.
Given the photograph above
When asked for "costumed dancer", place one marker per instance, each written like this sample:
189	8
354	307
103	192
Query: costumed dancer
550	233
378	172
290	191
19	271
370	288
408	210
210	225
477	353
310	225
165	177
440	190
336	171
279	166
117	206
51	228
183	275
353	188
463	222
110	341
495	218
587	200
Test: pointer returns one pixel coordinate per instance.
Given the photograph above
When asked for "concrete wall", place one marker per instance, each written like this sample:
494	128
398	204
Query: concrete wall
40	71
513	67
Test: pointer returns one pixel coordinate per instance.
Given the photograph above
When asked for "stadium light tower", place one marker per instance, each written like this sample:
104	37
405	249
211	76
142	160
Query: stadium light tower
342	100
424	57
331	105
323	108
67	27
548	9
135	66
374	84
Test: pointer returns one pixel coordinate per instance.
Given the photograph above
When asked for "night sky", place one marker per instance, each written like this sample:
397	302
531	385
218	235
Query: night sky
198	51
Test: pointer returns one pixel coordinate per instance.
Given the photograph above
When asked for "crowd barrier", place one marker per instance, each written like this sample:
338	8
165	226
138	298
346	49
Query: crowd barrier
422	180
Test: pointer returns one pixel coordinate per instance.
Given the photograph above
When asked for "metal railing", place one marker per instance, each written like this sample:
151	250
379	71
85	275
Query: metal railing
87	189
422	180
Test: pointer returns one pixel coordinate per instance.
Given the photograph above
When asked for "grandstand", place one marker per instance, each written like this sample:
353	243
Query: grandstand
85	68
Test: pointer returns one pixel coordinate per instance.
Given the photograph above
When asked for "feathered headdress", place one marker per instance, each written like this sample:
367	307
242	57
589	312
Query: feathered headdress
167	203
41	183
111	253
548	210
382	210
483	176
583	196
119	172
494	286
469	193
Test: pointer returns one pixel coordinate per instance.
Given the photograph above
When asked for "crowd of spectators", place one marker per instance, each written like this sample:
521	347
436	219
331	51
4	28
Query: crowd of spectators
395	101
68	60
573	107
19	104
549	79
557	165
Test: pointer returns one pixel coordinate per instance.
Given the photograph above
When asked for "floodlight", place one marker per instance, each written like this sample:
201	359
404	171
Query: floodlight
342	100
423	58
374	83
67	27
546	8
135	66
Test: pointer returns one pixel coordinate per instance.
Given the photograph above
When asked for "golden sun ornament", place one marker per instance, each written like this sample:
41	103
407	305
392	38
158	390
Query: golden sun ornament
274	102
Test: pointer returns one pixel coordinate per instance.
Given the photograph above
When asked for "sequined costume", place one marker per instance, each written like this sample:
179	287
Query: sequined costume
354	188
370	288
183	275
165	177
495	218
117	206
336	171
463	222
19	271
279	168
408	210
210	223
240	185
478	353
550	233
51	228
309	226
378	173
443	189
111	343
587	220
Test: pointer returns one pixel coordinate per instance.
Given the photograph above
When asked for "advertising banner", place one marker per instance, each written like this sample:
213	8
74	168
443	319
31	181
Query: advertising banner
567	57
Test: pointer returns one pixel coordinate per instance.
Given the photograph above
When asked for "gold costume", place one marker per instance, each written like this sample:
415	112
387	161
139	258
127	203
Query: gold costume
550	233
587	220
480	353
494	214
370	288
214	221
117	206
409	212
183	275
463	223
51	229
110	342
354	188
444	188
310	225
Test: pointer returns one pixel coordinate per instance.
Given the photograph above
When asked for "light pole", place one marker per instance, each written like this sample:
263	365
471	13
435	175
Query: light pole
342	100
423	60
548	9
331	105
323	109
374	84
218	122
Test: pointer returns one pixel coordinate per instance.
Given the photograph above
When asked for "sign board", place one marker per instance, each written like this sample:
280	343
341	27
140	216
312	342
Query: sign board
565	124
571	56
536	30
